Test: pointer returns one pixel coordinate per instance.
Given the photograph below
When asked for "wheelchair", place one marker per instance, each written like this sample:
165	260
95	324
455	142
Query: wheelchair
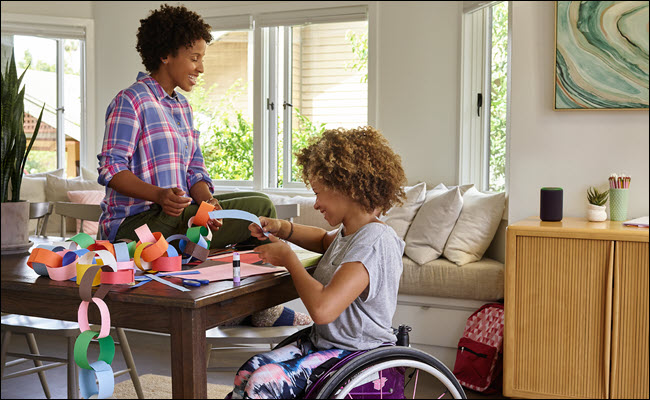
387	372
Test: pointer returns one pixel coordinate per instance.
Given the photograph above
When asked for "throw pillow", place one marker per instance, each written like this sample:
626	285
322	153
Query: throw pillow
442	188
476	226
32	187
87	197
56	189
400	218
57	172
426	238
89	174
463	188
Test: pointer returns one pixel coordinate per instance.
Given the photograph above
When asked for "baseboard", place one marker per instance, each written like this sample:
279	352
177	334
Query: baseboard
435	321
444	354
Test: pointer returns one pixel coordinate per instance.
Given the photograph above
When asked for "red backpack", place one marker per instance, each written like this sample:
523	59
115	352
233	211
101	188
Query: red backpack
479	359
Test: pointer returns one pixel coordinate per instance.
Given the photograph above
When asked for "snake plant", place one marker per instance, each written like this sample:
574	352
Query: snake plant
595	197
14	150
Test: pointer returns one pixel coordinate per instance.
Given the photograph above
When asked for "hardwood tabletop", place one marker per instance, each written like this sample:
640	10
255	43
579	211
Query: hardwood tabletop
155	307
20	284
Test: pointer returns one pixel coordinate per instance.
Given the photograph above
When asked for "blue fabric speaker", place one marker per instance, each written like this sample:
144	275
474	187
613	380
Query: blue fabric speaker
550	204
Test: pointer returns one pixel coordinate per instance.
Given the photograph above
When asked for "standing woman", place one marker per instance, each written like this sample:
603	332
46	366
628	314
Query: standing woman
151	161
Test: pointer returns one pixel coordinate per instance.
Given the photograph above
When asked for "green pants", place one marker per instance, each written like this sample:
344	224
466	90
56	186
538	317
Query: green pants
232	231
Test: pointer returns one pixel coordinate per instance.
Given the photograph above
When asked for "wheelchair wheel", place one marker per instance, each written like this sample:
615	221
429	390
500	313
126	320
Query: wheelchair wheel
425	376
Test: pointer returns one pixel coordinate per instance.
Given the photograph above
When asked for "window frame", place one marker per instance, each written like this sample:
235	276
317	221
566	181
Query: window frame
59	28
265	87
476	56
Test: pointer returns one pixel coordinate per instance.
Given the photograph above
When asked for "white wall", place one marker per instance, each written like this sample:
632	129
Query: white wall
415	83
71	9
569	149
418	86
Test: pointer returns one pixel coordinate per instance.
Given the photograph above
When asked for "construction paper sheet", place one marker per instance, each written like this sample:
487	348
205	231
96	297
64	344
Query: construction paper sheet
248	258
222	272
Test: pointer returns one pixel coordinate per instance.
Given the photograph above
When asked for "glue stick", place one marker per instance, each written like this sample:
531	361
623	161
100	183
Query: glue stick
235	269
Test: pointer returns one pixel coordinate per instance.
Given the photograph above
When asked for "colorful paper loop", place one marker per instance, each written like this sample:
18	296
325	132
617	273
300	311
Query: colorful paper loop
82	315
157	249
143	265
121	252
123	276
167	264
81	271
82	239
106	348
144	234
86	287
202	217
102	373
44	256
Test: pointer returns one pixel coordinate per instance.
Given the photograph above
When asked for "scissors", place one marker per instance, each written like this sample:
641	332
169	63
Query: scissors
195	282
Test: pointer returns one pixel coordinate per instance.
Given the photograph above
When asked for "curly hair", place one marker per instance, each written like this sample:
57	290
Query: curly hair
358	163
165	30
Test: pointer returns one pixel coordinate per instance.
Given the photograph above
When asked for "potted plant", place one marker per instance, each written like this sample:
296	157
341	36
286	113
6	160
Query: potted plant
15	212
596	209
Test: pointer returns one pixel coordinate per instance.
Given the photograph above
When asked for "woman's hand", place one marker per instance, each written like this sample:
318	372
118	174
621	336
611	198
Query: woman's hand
277	252
173	201
270	225
214	224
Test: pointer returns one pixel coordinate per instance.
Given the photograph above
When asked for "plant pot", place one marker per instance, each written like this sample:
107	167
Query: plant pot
15	226
596	213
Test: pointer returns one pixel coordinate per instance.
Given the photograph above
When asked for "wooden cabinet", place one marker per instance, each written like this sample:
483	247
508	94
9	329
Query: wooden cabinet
576	310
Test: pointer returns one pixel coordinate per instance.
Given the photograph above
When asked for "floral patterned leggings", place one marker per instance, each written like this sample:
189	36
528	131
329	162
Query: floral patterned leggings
281	373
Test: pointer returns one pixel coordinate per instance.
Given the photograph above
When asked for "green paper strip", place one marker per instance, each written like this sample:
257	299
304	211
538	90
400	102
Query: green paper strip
83	240
106	348
194	233
132	245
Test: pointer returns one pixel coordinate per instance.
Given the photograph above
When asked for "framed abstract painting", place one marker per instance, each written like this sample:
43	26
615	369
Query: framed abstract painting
601	55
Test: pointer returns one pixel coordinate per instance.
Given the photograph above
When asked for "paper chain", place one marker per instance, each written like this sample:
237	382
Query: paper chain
104	264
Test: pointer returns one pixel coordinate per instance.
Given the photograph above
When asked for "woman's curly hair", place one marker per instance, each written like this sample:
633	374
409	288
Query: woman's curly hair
165	30
358	163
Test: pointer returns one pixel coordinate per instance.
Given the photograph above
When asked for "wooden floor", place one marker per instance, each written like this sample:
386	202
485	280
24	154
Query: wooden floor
151	355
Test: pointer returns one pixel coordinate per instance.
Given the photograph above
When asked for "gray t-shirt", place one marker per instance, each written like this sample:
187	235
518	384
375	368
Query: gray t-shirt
366	323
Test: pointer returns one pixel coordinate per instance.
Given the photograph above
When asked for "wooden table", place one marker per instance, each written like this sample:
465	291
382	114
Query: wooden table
185	316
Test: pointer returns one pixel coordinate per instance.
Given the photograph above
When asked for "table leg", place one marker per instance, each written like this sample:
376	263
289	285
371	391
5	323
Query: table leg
189	374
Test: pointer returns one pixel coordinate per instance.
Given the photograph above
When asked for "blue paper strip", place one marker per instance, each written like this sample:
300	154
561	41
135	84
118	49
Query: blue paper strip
236	214
105	380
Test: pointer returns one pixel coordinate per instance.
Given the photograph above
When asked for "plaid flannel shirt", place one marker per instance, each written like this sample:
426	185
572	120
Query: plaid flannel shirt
151	134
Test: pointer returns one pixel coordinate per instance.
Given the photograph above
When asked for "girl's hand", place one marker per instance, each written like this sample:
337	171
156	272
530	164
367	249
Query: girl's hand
270	225
277	252
173	201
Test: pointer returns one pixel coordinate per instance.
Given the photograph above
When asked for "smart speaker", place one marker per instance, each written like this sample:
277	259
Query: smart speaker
550	204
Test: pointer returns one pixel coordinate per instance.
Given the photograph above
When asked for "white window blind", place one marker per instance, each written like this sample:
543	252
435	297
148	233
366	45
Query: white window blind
44	30
321	15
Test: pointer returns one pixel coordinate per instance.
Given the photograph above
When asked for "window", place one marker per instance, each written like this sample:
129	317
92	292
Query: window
55	61
485	83
267	90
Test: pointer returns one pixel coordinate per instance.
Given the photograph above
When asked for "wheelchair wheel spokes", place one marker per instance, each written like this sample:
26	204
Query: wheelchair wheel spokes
422	385
401	365
430	383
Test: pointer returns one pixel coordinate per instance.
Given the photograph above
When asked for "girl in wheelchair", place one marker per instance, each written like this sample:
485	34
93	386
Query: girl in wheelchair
352	295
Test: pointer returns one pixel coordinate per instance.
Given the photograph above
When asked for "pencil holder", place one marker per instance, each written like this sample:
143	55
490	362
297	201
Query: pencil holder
618	199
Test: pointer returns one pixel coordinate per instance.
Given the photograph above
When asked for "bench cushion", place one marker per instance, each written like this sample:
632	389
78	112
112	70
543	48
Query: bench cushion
480	280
